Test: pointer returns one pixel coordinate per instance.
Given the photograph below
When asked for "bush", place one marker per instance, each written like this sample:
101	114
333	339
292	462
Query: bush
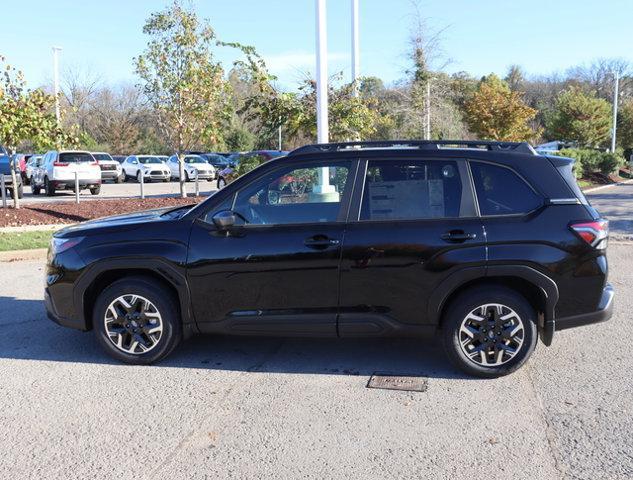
591	161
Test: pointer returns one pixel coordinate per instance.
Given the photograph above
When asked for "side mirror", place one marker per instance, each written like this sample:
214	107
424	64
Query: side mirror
224	219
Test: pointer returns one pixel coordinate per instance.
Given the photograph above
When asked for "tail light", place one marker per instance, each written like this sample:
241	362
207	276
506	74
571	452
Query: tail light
60	164
594	233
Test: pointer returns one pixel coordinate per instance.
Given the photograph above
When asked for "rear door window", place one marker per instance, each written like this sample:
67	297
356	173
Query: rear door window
416	189
500	191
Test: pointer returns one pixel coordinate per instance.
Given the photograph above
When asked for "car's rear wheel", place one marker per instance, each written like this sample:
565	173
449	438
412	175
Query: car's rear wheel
136	321
489	332
95	190
48	187
35	189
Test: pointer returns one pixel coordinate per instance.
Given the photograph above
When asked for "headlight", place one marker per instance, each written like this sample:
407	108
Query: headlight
59	245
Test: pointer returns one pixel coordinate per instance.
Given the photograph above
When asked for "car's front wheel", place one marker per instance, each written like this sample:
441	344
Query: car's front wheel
136	320
489	332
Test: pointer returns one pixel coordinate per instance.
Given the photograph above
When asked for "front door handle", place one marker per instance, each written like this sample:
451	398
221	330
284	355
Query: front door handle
320	242
457	236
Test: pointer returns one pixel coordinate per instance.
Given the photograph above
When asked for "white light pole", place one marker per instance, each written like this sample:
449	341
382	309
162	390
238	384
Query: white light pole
323	190
56	80
615	111
355	46
321	73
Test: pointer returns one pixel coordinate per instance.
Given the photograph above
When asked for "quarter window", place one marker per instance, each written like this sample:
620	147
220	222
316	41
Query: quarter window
310	194
412	189
500	191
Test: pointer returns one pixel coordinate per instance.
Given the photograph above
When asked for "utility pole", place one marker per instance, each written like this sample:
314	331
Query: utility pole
56	81
279	135
321	73
427	126
615	111
323	191
355	46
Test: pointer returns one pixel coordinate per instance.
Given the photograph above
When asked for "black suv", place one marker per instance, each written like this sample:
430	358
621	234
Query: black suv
486	243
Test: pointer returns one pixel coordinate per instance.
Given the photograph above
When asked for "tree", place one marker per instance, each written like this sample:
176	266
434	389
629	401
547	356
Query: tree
625	125
26	115
495	112
183	82
515	77
580	117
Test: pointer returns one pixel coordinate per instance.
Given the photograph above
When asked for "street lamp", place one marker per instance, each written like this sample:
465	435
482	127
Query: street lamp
615	110
56	80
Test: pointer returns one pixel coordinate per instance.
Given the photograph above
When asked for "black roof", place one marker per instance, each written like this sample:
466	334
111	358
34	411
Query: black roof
433	145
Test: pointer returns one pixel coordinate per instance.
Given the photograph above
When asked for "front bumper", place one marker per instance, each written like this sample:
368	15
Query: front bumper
157	176
601	314
55	316
110	174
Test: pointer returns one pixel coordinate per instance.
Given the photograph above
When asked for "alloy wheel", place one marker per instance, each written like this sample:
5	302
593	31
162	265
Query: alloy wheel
133	324
491	335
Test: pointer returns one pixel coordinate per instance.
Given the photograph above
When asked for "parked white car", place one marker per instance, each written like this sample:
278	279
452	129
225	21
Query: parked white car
32	165
194	165
110	168
58	170
150	166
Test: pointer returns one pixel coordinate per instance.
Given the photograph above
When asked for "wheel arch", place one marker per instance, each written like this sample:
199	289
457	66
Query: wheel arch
540	290
100	276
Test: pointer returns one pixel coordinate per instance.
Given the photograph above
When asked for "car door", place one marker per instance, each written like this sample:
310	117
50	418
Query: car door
277	269
131	166
413	224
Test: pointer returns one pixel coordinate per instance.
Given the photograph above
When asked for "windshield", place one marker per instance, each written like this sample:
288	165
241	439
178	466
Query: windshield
75	157
103	156
194	159
149	160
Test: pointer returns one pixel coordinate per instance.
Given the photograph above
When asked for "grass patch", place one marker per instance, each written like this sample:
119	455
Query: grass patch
24	240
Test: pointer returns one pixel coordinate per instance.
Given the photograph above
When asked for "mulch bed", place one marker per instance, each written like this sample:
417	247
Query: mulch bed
53	213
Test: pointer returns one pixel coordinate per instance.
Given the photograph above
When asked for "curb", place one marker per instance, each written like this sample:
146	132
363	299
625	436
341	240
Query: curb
19	255
595	189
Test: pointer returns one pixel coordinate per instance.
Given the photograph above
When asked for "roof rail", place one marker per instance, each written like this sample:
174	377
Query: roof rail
509	147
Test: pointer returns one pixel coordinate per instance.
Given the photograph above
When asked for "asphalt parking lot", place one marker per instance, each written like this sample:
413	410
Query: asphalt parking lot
288	408
121	190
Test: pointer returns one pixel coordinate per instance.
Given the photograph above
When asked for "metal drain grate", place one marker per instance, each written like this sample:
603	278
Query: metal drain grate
398	382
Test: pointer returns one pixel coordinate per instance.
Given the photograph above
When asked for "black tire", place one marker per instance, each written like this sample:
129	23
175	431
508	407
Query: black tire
48	188
470	300
138	177
95	190
20	191
187	179
221	183
165	304
35	189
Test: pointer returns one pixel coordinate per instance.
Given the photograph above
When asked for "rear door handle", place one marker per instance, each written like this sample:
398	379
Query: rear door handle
456	236
320	241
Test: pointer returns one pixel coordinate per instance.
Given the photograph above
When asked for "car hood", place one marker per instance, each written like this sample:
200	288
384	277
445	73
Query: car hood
127	219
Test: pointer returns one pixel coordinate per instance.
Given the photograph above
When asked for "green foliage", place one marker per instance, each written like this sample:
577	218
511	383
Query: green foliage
580	117
589	161
25	116
249	163
181	79
625	125
240	139
495	112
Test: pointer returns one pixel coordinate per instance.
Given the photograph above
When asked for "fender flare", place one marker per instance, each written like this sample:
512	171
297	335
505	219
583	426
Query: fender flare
168	272
457	279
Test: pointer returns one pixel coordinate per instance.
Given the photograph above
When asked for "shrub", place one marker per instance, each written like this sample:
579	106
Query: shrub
590	161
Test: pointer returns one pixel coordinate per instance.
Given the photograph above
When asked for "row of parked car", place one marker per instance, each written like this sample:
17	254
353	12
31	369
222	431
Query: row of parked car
56	170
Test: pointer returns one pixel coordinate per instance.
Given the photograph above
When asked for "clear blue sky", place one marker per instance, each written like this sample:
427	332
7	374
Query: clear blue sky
480	36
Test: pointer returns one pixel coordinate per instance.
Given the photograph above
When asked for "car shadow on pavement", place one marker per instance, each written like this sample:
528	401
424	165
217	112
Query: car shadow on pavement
26	334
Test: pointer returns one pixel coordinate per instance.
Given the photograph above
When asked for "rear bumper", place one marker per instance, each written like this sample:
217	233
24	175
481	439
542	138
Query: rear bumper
601	314
70	184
